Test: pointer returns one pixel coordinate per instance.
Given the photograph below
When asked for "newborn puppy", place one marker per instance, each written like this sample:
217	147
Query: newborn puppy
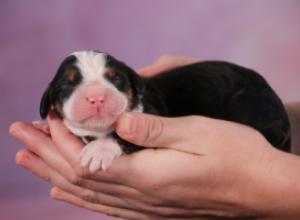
91	89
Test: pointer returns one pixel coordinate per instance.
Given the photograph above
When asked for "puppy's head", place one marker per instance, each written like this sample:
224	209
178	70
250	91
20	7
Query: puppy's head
91	89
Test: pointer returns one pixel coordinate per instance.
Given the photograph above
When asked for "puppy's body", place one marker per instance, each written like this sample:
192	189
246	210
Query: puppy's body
91	89
220	90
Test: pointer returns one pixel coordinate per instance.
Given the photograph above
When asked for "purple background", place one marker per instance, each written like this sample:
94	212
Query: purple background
35	36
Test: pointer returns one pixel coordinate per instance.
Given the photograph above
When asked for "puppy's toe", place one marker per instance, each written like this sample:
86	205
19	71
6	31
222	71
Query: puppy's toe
106	161
85	159
99	155
95	164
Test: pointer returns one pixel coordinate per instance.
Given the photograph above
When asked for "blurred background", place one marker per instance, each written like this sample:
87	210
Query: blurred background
36	35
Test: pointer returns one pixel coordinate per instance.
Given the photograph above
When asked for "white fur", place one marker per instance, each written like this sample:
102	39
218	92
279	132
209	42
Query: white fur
81	131
93	67
99	154
91	64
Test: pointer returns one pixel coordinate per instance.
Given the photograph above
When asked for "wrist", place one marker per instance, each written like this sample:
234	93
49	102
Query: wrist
276	193
293	110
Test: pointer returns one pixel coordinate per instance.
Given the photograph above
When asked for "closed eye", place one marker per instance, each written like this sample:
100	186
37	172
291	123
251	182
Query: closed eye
116	78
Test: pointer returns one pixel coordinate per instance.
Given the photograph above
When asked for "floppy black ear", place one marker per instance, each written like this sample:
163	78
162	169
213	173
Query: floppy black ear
46	102
136	81
50	95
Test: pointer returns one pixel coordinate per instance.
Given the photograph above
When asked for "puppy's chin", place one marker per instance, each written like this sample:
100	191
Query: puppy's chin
79	114
103	122
98	122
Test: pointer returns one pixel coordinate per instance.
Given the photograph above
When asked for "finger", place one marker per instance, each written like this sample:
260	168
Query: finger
31	162
60	194
42	145
154	131
149	71
190	134
165	63
36	166
172	59
42	126
70	147
68	144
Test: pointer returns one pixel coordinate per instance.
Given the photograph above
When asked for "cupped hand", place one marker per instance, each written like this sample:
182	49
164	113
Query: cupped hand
194	168
201	168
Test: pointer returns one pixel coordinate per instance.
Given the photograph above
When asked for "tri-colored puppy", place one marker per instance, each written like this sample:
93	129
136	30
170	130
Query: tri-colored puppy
91	89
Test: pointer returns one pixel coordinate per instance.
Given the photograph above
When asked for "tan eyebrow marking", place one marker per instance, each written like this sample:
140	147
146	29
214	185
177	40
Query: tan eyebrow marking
71	74
110	72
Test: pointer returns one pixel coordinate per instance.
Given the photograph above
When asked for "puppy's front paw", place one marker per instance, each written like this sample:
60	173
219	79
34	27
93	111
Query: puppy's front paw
99	154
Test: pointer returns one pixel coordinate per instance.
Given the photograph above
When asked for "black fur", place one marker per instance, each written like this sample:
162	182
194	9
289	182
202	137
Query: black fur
60	88
219	90
125	79
214	89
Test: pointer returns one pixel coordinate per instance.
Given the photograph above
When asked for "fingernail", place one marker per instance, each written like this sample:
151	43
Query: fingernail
22	159
128	125
15	130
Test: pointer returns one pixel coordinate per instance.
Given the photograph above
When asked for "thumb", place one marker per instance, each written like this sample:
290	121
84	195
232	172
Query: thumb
153	131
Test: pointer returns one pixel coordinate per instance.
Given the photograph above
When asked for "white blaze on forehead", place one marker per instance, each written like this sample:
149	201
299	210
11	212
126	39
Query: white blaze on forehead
91	64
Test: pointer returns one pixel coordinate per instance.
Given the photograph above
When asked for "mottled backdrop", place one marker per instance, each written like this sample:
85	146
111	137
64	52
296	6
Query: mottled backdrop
36	35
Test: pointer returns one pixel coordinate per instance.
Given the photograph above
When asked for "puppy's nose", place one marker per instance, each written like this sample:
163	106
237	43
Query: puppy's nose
97	101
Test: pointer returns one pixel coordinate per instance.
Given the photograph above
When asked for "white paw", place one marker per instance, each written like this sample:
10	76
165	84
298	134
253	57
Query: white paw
99	154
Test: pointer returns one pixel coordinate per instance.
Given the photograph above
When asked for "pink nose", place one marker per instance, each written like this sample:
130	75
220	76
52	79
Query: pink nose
95	101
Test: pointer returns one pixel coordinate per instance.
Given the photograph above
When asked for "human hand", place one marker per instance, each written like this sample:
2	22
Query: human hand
293	110
215	174
165	63
141	186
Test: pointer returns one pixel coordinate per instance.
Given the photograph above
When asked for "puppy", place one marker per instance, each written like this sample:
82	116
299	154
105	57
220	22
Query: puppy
91	89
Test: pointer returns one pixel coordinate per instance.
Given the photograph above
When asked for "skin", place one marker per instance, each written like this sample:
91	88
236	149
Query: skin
198	169
293	110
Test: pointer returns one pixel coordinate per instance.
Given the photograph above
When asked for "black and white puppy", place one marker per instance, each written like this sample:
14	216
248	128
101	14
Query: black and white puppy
91	89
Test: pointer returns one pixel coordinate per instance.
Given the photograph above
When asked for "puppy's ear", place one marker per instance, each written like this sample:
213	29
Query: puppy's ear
50	96
46	102
136	81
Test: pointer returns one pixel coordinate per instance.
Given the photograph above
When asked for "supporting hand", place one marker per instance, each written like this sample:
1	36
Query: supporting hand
204	169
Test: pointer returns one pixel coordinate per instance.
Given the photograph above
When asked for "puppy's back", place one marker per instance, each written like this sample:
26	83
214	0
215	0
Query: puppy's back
221	90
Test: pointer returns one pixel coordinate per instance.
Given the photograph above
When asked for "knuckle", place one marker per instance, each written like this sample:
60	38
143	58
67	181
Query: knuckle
76	180
110	211
154	131
82	172
165	58
49	179
90	196
153	185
